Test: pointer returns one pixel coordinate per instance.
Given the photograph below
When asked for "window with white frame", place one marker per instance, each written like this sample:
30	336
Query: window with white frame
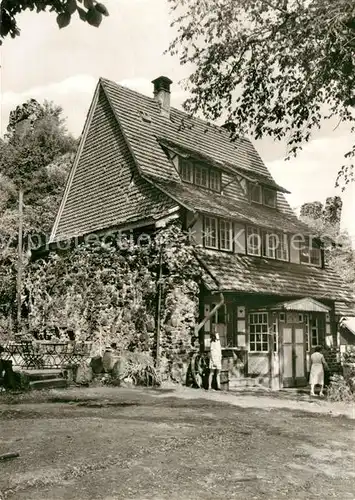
225	235
253	241
270	243
258	332
201	175
218	233
282	252
314	327
186	170
215	180
273	245
210	232
310	253
306	327
275	332
269	197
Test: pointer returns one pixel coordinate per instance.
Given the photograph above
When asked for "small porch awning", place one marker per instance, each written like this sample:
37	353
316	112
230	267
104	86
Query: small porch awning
305	305
349	324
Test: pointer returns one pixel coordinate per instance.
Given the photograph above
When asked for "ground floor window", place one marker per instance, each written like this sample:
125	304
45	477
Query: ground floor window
311	330
258	332
275	333
314	332
306	326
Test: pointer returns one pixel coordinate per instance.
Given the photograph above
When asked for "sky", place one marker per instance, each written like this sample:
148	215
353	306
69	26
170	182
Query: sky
64	66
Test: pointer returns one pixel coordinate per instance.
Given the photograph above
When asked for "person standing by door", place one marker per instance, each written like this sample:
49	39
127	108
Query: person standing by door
215	361
318	365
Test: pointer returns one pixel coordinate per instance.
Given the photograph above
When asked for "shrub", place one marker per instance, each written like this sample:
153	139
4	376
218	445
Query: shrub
349	356
139	366
340	389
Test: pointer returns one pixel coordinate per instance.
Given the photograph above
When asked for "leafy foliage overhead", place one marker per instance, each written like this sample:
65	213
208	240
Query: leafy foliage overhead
325	222
277	68
90	11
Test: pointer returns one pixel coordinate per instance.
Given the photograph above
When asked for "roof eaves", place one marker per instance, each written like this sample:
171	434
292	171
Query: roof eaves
167	193
86	127
207	269
258	178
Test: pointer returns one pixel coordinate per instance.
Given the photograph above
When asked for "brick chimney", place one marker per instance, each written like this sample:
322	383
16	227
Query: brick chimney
162	94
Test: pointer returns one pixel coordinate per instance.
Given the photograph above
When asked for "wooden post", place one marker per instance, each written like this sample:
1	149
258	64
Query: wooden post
20	259
158	321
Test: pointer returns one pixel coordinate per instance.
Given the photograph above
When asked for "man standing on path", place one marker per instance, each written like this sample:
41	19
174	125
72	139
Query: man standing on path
215	361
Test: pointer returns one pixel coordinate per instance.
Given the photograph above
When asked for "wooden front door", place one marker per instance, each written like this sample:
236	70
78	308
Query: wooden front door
293	358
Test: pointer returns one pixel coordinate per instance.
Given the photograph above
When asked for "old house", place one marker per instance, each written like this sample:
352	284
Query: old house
268	291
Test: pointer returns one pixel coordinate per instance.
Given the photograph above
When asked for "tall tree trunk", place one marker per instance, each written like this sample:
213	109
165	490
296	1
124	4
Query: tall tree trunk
20	260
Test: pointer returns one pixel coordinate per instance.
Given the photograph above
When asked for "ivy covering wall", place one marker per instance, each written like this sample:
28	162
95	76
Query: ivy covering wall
107	293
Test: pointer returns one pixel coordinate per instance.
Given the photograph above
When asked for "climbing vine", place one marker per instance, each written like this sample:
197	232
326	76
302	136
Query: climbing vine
107	293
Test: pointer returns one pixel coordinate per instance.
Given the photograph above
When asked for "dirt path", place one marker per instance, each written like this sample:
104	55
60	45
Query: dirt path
134	444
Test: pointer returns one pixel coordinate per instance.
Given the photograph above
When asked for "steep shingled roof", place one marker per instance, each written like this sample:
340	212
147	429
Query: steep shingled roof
246	274
192	133
126	126
104	189
195	135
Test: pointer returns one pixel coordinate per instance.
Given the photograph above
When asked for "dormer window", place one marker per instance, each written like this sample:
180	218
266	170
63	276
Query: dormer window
200	174
256	195
269	197
215	180
186	170
262	195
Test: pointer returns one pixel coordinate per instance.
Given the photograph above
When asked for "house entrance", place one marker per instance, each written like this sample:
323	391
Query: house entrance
293	352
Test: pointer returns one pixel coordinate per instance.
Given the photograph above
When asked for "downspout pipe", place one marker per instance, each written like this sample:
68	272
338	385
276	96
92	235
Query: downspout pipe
210	314
221	297
193	221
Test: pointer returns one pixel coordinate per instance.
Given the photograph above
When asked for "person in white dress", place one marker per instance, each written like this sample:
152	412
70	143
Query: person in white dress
318	365
215	361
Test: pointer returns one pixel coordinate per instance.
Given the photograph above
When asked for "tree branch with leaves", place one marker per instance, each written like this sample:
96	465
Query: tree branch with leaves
90	11
270	68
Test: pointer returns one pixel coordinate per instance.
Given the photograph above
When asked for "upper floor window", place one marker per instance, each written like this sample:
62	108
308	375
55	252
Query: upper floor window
256	194
282	250
200	174
270	243
310	253
215	180
218	233
211	234
253	241
225	235
186	170
273	245
262	195
269	197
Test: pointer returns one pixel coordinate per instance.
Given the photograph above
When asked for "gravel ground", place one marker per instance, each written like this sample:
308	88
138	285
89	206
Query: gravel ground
107	443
